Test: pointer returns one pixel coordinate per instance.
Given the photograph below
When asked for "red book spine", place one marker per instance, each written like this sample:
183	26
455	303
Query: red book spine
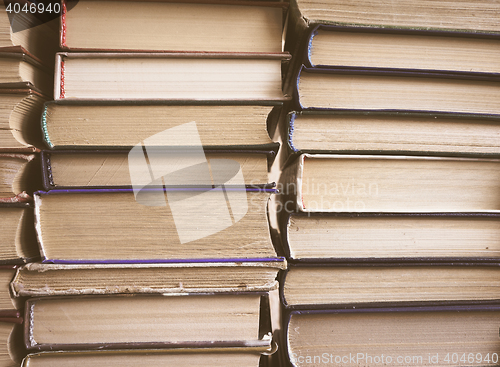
63	23
62	93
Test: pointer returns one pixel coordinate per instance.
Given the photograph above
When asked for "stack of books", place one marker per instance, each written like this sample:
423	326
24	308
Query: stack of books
28	43
11	331
390	206
27	47
153	226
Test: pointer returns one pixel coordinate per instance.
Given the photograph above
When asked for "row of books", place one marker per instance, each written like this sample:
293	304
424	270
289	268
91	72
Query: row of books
150	213
390	182
155	185
27	47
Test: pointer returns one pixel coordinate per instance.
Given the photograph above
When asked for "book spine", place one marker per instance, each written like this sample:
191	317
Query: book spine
22	197
45	132
296	94
309	45
298	180
61	86
38	229
284	225
10	316
59	76
62	31
291	120
12	320
47	178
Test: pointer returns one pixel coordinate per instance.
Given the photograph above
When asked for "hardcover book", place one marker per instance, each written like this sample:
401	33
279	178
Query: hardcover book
37	279
317	285
11	348
392	184
20	111
17	233
19	176
389	48
172	76
149	322
208	26
410	336
98	124
391	237
8	306
480	16
154	225
24	32
63	169
376	89
399	132
22	70
228	357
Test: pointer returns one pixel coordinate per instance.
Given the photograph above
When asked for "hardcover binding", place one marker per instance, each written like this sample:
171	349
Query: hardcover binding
10	315
59	91
392	260
65	8
348	70
18	52
21	203
48	183
18	288
37	204
392	309
273	115
391	263
262	345
298	165
377	113
313	31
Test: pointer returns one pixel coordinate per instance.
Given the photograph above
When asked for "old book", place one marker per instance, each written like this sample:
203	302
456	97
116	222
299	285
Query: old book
25	31
20	111
116	124
209	26
107	168
8	307
392	184
147	322
11	348
151	358
36	279
450	15
393	133
19	175
337	88
174	76
383	237
355	285
388	48
409	336
106	226
20	70
17	233
10	320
